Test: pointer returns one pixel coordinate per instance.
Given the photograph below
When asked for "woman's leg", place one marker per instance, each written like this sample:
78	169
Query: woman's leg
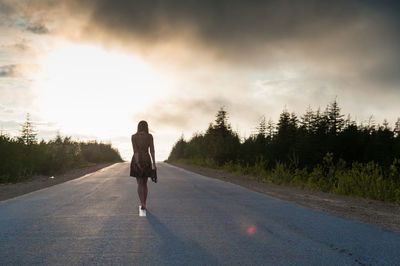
145	190
142	190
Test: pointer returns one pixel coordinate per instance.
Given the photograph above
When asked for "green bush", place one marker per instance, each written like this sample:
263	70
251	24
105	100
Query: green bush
366	180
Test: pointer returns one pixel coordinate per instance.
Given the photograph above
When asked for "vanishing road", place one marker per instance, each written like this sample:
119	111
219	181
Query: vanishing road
192	220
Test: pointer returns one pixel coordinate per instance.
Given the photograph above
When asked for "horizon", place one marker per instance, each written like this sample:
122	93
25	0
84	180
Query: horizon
93	70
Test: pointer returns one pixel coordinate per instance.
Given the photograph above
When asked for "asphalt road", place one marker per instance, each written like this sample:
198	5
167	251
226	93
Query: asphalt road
192	220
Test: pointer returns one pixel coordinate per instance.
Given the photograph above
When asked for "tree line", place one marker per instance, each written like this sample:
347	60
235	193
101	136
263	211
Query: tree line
23	156
319	150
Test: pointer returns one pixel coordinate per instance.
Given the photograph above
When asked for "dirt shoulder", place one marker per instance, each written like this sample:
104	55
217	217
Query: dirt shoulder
385	215
8	191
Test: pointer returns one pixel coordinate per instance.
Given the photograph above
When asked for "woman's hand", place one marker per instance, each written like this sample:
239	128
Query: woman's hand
154	166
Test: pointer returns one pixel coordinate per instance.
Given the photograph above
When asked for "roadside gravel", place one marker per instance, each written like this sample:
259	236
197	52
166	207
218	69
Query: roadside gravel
37	182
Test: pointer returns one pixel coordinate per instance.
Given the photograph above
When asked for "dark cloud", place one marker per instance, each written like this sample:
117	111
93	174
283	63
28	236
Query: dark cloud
329	36
23	15
228	24
6	9
257	32
38	28
226	21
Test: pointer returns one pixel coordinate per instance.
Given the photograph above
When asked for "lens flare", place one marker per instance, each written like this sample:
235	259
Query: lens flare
251	230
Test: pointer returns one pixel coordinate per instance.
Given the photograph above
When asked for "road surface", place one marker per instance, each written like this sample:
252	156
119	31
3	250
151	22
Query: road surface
192	220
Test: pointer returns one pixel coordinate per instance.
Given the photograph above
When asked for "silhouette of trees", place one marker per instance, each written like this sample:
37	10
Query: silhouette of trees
28	132
315	141
285	138
262	127
219	143
23	156
178	150
396	130
309	139
335	119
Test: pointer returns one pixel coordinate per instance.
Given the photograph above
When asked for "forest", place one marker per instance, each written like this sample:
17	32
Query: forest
319	150
23	156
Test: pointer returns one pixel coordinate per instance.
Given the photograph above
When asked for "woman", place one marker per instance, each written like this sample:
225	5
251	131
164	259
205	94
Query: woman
142	164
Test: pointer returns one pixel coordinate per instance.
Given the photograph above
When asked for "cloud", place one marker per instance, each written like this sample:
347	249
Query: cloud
37	28
21	45
230	27
8	124
6	10
9	71
181	113
18	70
231	23
333	40
253	34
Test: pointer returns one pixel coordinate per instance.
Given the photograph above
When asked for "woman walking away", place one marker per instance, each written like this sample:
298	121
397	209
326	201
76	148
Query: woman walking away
142	164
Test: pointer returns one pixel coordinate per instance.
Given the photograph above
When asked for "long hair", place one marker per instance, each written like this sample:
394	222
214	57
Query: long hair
142	126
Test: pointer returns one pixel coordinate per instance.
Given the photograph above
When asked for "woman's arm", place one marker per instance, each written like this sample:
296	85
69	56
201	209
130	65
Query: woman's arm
152	151
135	149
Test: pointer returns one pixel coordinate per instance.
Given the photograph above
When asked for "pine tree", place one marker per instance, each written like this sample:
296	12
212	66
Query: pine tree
306	119
28	132
335	119
320	123
262	127
371	124
385	124
221	142
270	129
349	122
221	120
286	135
284	122
397	128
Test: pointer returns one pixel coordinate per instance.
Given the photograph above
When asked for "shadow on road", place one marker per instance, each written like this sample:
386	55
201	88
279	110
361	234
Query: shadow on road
176	251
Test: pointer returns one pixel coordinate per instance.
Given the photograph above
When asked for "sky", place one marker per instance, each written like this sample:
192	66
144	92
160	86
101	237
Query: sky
94	69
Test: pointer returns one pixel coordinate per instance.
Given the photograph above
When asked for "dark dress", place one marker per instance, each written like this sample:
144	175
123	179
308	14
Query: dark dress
141	143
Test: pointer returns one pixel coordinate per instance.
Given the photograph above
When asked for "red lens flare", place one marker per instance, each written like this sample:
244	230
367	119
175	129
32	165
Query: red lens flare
251	230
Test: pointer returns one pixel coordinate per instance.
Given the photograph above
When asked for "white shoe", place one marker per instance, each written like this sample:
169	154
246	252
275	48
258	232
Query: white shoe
142	212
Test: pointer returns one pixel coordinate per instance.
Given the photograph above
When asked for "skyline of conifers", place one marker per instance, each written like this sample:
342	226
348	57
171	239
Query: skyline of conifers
269	127
317	150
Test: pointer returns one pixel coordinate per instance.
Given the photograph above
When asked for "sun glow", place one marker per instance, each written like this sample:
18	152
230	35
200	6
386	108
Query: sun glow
93	91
